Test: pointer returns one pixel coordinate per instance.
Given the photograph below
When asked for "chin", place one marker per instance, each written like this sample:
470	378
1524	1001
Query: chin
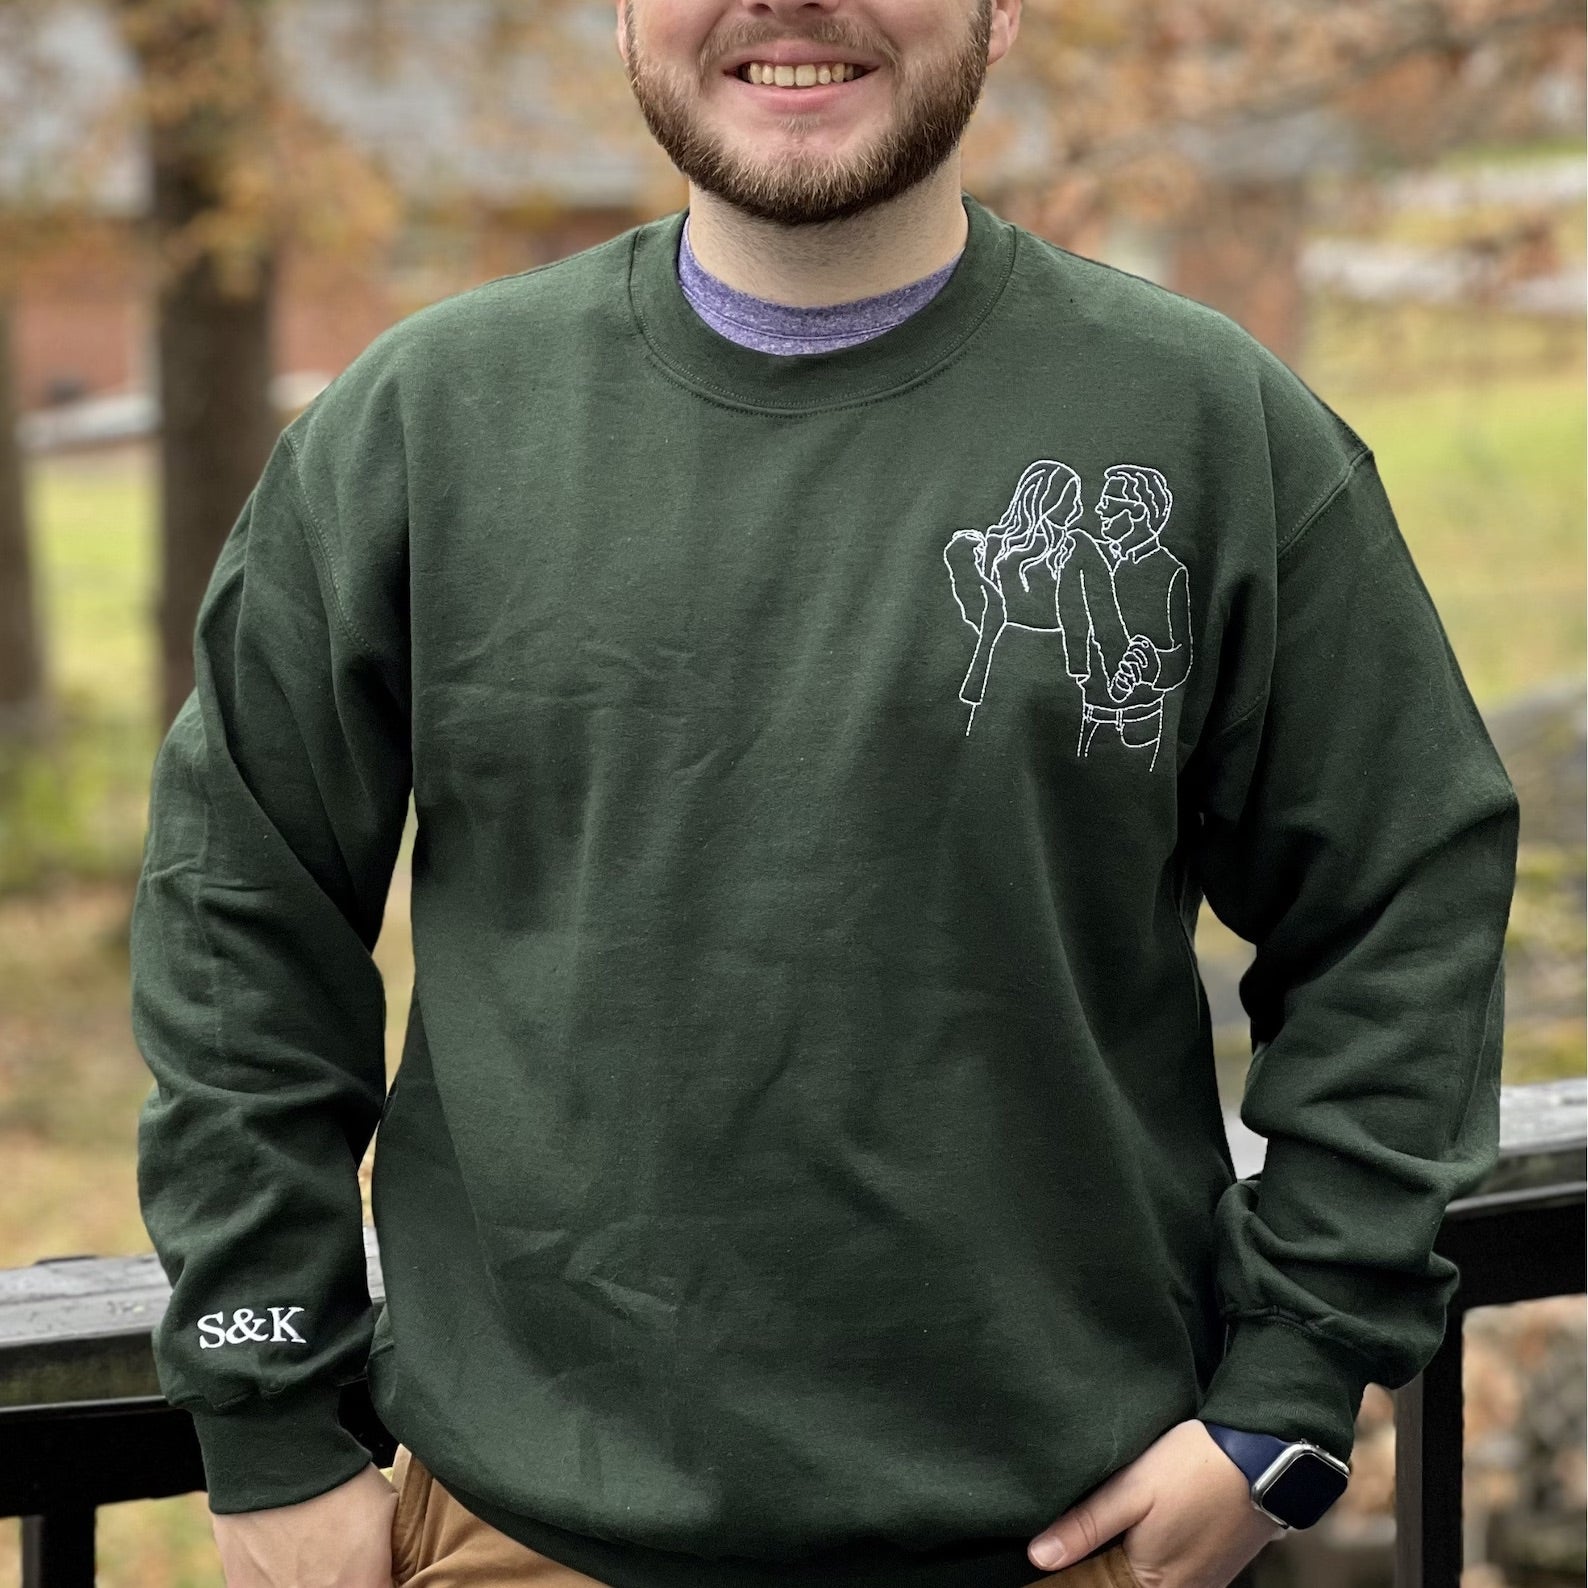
826	144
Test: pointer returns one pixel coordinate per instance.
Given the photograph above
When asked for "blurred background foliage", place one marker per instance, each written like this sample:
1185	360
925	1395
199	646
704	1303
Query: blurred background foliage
207	207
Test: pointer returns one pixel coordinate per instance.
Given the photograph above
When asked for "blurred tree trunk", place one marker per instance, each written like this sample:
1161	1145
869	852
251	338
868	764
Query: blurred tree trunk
217	423
22	690
1241	253
204	70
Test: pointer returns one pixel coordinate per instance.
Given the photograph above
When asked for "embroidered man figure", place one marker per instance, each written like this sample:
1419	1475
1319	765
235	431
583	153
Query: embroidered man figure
1125	611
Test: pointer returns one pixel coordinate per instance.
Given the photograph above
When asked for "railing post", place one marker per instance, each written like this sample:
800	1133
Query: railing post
58	1548
1428	1468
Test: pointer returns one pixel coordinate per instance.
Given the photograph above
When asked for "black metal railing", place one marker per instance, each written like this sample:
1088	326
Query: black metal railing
83	1423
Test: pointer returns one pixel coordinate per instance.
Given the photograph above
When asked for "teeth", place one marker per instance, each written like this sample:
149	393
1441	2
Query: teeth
808	76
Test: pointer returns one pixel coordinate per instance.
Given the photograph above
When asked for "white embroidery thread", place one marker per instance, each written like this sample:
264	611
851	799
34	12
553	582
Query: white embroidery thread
1118	600
243	1328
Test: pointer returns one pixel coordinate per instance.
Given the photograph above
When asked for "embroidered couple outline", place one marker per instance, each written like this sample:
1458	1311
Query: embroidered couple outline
1119	600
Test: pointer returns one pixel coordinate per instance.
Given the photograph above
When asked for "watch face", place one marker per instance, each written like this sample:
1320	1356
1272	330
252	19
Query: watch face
1303	1490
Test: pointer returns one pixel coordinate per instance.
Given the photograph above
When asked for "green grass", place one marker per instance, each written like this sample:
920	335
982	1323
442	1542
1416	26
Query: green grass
77	809
96	521
1487	484
1477	154
1411	349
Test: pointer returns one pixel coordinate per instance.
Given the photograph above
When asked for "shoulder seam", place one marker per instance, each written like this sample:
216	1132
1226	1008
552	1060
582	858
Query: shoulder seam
1308	519
320	547
1315	512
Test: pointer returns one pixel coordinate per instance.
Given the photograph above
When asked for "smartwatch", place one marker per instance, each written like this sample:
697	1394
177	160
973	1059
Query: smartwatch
1293	1481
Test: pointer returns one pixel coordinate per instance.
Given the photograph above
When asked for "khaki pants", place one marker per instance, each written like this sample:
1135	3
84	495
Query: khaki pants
437	1543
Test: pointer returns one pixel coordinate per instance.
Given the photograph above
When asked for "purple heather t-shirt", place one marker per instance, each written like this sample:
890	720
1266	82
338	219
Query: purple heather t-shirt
781	328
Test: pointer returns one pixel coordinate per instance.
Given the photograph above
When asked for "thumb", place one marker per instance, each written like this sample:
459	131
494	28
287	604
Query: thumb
1102	1515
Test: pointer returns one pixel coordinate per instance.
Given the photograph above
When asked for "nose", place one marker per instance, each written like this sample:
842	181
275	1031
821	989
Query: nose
791	10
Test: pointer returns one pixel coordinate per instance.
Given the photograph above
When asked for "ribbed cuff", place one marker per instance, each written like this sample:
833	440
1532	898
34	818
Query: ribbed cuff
276	1450
1278	1378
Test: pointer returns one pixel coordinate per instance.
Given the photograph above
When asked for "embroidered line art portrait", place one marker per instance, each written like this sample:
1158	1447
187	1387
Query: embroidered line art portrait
1119	601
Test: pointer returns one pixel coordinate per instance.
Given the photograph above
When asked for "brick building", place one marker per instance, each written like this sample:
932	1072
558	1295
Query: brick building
481	194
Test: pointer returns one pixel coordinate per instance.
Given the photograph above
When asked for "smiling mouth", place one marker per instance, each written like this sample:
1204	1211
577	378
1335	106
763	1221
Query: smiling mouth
766	75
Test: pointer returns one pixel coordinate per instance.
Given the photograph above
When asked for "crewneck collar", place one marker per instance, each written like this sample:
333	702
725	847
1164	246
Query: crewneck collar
702	359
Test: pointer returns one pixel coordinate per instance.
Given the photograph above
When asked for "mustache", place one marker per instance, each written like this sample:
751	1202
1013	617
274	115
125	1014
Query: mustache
831	32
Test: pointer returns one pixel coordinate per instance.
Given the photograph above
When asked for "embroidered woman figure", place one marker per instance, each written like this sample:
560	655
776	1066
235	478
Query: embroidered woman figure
1008	577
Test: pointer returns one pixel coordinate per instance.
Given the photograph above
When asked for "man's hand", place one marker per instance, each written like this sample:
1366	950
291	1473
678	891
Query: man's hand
1186	1510
339	1539
1133	667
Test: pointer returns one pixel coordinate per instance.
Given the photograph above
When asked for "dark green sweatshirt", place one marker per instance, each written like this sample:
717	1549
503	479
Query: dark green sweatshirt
806	1163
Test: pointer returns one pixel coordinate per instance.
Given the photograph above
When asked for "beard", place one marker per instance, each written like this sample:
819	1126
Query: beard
933	105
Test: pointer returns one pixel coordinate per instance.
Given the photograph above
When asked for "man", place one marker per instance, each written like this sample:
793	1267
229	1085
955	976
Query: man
1126	665
806	1163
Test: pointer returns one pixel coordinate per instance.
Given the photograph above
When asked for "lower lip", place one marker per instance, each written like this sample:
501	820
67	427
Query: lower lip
783	100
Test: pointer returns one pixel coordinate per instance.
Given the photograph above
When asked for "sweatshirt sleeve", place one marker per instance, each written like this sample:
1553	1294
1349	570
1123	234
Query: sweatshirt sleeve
1356	825
277	805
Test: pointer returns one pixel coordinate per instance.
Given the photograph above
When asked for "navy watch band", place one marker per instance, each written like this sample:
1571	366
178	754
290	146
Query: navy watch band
1252	1453
1302	1479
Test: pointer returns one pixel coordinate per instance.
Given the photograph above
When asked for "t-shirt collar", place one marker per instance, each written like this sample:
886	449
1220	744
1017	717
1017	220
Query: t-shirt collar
699	357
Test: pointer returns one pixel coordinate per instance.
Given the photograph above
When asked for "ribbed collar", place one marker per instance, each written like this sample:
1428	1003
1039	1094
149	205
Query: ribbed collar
786	328
722	370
